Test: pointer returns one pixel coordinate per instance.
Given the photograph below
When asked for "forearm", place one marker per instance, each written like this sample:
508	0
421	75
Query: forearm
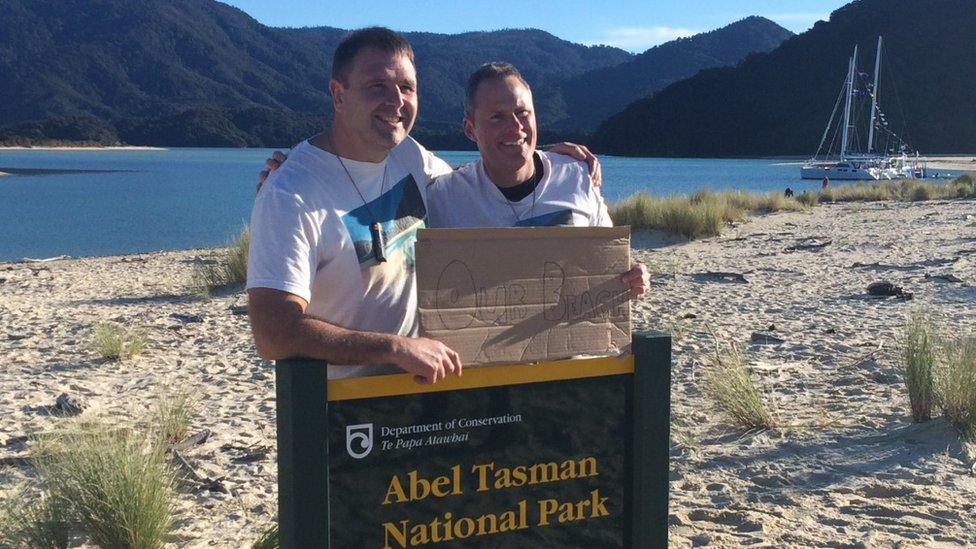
309	337
283	330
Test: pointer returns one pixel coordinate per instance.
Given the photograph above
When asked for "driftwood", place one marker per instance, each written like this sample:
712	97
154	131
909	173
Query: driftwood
191	440
803	246
946	277
44	260
203	482
719	276
765	338
14	461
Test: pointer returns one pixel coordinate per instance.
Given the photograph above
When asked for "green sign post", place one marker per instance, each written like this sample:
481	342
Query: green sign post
571	453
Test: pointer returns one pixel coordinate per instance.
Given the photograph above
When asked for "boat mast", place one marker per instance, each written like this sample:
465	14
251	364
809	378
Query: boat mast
847	106
874	98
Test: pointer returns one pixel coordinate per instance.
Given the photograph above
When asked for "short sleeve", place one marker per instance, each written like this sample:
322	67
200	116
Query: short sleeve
434	166
599	213
283	242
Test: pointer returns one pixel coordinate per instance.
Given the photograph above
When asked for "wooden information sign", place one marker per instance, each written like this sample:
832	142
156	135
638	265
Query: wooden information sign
571	453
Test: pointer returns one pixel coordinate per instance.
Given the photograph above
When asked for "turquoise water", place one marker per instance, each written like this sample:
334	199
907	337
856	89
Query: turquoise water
142	201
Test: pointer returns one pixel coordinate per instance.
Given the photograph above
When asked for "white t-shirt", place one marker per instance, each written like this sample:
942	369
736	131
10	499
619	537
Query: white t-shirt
310	236
467	197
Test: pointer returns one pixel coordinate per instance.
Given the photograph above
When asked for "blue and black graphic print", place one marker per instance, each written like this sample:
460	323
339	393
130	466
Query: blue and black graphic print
561	218
401	212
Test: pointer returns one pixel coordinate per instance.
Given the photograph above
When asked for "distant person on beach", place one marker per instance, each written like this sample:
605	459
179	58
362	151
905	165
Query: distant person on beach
788	193
825	183
330	269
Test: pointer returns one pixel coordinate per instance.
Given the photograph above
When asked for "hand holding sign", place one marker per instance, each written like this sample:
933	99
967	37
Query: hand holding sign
428	360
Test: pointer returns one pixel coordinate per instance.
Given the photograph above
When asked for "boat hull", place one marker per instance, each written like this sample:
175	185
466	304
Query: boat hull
840	174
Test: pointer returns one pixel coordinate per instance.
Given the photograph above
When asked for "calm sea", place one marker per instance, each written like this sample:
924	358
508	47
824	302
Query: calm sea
142	201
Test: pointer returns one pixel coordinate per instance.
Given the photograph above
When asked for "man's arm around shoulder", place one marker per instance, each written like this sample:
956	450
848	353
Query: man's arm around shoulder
282	330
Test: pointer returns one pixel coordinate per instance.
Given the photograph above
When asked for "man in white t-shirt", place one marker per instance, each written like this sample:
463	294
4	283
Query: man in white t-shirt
330	270
513	184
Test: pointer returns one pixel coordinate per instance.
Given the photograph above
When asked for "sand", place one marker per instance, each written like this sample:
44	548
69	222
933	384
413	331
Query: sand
850	469
964	163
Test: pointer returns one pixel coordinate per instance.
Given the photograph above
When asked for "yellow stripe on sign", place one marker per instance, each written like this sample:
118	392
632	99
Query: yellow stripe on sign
480	377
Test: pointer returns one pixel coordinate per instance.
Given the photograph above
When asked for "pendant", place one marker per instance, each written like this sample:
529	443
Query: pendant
379	243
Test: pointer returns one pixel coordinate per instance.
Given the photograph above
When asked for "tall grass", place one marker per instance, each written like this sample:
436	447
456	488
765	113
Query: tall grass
955	383
268	539
919	356
906	190
28	521
705	213
116	484
173	412
230	270
115	342
730	386
701	214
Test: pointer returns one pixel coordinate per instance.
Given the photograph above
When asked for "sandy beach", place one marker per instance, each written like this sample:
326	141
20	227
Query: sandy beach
964	163
848	470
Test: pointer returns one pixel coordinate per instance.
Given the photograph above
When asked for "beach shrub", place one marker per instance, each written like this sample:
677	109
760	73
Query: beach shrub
268	539
730	386
701	214
228	271
919	351
955	383
34	521
809	199
173	411
115	342
115	483
963	186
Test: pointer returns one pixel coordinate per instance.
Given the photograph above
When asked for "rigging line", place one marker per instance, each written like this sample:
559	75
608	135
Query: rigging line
894	86
830	121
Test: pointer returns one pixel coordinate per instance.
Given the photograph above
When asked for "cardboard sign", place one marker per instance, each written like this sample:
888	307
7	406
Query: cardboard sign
525	294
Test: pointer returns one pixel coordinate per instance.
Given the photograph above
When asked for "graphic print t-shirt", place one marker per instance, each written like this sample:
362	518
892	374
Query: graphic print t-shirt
311	237
467	198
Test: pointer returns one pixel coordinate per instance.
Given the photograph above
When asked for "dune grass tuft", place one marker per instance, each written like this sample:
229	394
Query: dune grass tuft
268	539
919	351
955	383
115	342
172	413
730	386
115	483
702	214
29	521
705	213
228	271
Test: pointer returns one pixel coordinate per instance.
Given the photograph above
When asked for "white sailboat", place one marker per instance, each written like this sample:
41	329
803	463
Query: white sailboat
870	164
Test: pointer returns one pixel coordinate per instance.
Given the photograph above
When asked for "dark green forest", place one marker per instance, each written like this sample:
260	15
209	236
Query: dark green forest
778	103
201	73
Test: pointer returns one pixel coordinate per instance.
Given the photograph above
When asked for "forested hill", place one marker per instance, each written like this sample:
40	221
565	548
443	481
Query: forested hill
202	73
778	103
596	95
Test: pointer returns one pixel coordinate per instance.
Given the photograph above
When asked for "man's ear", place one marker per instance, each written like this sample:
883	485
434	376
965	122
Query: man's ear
337	91
468	126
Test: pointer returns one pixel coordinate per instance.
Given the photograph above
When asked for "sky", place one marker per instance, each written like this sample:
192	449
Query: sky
633	26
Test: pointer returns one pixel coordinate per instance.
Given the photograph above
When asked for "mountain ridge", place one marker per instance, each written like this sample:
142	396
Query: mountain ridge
202	73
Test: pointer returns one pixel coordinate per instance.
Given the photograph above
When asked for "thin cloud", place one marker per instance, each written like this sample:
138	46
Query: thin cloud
638	39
